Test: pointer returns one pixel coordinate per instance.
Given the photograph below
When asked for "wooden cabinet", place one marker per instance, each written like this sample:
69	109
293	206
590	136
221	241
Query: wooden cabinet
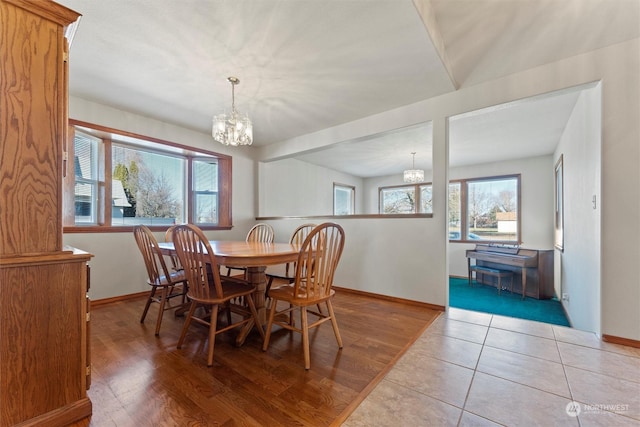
44	362
43	339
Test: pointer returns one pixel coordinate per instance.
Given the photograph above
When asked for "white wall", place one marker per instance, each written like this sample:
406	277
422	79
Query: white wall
618	67
117	268
378	263
292	187
579	268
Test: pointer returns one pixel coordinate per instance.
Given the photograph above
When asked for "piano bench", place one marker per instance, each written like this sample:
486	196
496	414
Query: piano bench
500	274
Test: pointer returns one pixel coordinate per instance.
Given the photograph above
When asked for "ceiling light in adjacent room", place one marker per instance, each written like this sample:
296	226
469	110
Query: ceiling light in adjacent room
414	175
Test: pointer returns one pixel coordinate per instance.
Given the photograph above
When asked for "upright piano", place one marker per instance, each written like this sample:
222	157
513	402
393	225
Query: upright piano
532	268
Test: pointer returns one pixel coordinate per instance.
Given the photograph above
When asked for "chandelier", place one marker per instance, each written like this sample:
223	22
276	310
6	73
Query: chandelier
413	174
235	128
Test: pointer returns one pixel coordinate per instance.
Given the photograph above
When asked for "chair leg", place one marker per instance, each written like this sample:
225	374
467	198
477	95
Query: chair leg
146	307
334	323
228	308
305	337
212	334
254	313
187	321
163	300
267	336
269	283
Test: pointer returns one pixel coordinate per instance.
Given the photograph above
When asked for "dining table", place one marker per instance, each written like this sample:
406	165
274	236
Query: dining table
255	257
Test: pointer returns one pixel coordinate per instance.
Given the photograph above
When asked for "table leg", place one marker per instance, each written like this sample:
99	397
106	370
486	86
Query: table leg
257	277
524	282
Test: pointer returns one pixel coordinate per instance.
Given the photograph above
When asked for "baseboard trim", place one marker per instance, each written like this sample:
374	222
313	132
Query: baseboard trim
392	299
622	341
104	301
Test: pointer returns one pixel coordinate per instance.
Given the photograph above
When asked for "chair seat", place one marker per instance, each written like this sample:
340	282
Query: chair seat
285	293
230	290
174	278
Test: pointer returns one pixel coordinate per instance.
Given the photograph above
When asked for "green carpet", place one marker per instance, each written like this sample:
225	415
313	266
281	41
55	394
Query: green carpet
485	298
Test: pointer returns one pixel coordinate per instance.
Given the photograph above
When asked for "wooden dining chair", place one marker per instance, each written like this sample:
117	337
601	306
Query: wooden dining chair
315	268
286	272
170	284
175	262
260	232
206	289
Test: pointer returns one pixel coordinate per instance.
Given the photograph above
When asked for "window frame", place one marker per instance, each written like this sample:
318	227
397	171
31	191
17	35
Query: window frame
92	182
464	212
108	136
417	188
352	192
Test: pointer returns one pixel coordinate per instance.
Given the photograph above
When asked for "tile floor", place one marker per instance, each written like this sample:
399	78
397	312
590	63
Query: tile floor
478	369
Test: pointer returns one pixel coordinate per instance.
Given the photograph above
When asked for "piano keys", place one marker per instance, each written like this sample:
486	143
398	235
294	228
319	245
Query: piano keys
533	268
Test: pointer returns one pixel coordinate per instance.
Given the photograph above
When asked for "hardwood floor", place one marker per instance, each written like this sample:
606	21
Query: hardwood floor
142	380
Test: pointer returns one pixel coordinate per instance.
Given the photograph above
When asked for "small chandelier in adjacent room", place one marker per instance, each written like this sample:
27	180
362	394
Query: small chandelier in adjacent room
413	174
235	128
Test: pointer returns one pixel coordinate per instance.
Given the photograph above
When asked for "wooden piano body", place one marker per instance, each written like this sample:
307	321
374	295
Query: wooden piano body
532	268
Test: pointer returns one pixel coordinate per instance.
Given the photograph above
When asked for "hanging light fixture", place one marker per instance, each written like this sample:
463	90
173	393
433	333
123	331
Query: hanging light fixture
235	128
413	174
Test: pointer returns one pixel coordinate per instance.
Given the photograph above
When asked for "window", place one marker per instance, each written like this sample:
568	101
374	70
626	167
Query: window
122	180
147	187
406	199
86	178
343	199
205	189
485	209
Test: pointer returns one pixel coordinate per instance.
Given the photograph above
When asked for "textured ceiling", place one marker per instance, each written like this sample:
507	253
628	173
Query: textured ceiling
306	65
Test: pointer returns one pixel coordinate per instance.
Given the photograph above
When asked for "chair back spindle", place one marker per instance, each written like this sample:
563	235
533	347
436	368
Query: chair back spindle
153	258
198	261
317	261
297	238
261	233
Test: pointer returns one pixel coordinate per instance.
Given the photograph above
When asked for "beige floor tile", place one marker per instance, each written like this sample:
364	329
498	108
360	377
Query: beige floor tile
544	330
523	344
461	330
531	371
519	377
589	339
620	349
597	418
598	389
604	362
476	317
460	352
511	404
576	336
436	378
390	404
471	420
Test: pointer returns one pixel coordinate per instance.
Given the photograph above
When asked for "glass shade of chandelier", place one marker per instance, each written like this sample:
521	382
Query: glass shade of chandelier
234	128
413	175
